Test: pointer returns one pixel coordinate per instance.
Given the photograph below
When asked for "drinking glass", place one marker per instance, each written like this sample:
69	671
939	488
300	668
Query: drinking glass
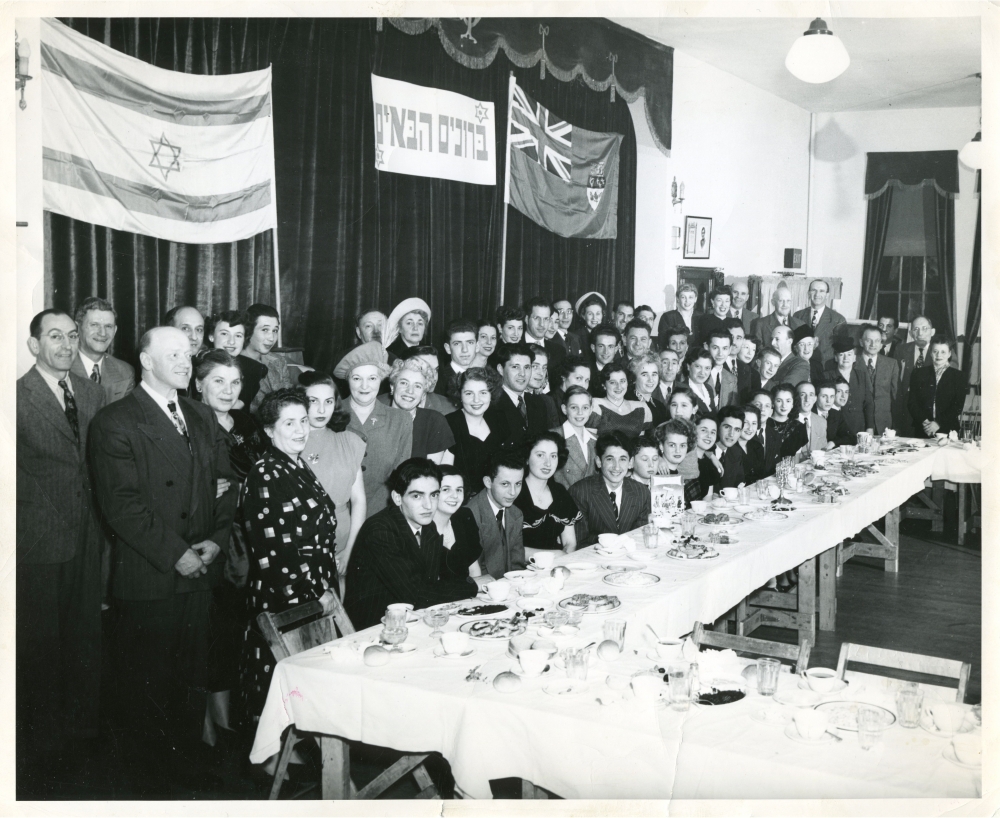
762	492
576	663
848	453
575	616
680	679
688	522
767	676
436	620
394	619
742	495
650	535
393	636
870	727
909	701
614	629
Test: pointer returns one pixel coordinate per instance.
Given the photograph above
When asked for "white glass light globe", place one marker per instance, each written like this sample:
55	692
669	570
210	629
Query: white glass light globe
817	58
972	154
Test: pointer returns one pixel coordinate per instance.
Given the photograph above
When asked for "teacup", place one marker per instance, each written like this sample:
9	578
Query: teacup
647	686
822	679
699	506
498	590
947	716
811	724
455	642
731	494
543	559
668	650
968	748
401	607
533	661
546	646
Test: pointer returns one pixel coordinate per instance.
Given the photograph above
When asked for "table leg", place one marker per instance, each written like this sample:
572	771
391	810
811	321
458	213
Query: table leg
937	524
807	599
828	589
892	535
336	768
961	513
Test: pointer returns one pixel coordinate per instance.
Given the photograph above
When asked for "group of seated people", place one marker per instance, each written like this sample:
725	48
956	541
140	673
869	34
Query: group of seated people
418	474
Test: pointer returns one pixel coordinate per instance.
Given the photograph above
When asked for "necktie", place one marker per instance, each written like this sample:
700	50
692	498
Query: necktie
503	532
179	423
417	534
522	408
70	409
95	373
920	357
814	319
500	519
871	369
614	503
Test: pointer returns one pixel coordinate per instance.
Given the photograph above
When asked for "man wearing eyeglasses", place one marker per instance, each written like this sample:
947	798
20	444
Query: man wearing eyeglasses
58	557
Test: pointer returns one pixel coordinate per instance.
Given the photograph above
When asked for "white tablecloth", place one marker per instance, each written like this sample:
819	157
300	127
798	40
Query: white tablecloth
959	463
574	747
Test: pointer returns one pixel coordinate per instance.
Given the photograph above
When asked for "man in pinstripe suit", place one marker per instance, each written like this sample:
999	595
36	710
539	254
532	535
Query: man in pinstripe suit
609	502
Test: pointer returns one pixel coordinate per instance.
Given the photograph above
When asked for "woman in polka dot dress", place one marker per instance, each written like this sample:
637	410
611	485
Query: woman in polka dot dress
290	523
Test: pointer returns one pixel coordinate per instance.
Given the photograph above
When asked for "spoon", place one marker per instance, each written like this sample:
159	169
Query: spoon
839	738
655	635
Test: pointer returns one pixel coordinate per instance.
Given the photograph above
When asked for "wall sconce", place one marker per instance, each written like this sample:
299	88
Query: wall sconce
676	194
22	52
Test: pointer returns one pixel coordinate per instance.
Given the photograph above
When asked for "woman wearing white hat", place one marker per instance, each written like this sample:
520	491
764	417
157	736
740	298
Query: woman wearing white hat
387	431
406	327
591	308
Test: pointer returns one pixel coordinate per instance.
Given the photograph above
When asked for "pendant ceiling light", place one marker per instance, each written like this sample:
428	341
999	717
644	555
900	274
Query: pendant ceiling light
818	55
971	154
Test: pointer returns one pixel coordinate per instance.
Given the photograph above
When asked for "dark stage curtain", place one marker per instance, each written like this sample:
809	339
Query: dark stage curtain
350	238
944	224
974	314
875	233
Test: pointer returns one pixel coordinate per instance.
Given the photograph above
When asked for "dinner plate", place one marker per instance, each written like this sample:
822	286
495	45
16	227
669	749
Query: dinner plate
631	579
844	715
949	755
707	554
615	604
565	687
733	519
440	651
792	732
765	515
492	630
478	609
535	603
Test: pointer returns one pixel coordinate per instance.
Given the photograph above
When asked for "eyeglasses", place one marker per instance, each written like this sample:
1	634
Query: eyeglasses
58	337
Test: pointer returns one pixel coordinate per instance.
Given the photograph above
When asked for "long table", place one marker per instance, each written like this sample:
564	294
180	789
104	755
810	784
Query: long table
574	747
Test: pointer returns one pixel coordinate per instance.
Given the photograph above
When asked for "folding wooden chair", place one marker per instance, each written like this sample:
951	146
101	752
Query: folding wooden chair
799	654
912	662
305	627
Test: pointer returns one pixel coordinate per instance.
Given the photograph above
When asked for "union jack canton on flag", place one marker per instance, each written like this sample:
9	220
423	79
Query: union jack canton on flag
562	177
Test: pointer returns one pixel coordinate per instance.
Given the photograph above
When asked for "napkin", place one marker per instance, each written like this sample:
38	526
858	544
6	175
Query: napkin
616	542
713	664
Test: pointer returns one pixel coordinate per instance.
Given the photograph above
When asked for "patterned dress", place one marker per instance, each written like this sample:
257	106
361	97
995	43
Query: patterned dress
544	526
290	523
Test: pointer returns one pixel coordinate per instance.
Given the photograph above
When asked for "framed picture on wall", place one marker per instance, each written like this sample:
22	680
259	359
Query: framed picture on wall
697	237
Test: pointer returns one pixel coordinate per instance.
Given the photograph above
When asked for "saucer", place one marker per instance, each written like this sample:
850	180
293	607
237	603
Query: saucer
791	731
842	685
949	755
440	651
655	657
927	724
520	672
402	647
797	698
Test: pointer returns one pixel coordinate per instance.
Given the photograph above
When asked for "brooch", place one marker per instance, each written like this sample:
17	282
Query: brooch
312	458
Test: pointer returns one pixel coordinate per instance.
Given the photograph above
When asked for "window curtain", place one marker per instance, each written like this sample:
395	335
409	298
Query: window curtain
876	231
944	223
350	238
974	314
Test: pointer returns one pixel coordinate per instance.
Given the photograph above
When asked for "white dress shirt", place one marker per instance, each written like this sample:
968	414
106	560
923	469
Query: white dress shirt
163	401
90	365
617	493
53	384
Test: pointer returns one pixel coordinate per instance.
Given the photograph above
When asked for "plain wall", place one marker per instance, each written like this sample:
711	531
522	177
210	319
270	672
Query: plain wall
743	156
838	209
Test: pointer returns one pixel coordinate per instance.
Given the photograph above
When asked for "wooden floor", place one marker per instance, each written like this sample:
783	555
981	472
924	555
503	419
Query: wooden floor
931	606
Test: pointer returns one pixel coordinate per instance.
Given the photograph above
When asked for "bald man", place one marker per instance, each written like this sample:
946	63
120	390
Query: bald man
157	458
189	321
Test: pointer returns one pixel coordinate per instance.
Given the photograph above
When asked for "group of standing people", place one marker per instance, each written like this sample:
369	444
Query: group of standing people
230	482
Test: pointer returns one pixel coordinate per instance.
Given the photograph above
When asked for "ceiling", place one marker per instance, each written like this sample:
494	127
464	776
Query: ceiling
895	62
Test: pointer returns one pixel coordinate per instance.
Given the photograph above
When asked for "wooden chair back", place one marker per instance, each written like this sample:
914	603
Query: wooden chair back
971	419
911	662
286	636
799	654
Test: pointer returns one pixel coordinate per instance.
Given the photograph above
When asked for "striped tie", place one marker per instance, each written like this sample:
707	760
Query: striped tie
95	373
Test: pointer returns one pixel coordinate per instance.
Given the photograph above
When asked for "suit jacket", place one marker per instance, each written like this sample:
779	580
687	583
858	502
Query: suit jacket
571	343
671	320
729	388
117	377
883	390
734	470
824	330
905	354
859	413
592	498
753	461
555	350
744	380
497	558
158	496
506	421
55	503
817	431
940	401
837	431
747	317
705	324
388	565
579	464
762	328
793	370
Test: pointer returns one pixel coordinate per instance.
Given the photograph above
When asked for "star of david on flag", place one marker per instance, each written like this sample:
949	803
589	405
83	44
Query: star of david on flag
562	177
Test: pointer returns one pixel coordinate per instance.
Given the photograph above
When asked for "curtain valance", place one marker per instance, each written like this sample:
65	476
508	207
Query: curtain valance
602	54
912	169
